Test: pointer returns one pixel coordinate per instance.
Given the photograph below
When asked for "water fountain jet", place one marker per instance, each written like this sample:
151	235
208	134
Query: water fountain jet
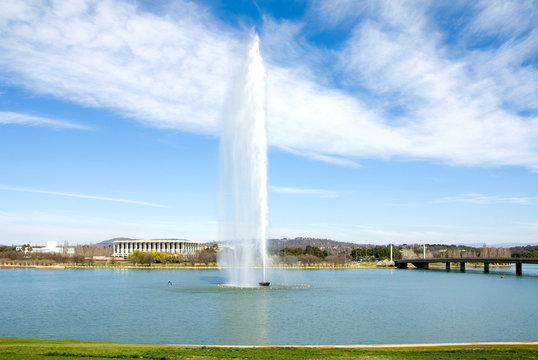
243	175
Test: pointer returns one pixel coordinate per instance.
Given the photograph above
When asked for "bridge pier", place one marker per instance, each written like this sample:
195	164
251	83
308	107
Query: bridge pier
518	269
425	263
422	265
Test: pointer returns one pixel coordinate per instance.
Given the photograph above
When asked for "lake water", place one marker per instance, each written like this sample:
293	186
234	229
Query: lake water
352	306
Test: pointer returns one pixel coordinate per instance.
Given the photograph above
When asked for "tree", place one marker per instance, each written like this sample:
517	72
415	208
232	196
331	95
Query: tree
289	260
26	248
147	258
207	256
315	251
309	259
78	259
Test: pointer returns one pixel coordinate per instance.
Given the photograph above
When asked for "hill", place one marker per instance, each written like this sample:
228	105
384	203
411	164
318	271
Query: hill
110	242
302	242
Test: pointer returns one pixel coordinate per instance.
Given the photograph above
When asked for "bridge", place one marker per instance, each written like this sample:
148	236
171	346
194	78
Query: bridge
425	263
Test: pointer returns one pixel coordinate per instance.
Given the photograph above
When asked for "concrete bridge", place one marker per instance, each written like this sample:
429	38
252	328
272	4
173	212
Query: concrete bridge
425	263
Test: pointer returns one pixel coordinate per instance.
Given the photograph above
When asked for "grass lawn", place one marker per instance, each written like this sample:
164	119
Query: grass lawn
22	348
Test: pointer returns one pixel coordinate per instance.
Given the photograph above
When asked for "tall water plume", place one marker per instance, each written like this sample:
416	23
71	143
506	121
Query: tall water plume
243	174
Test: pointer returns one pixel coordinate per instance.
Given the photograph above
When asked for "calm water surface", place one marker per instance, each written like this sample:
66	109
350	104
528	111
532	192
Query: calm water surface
353	306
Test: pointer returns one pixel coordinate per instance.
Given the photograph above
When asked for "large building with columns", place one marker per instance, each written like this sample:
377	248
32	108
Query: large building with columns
122	248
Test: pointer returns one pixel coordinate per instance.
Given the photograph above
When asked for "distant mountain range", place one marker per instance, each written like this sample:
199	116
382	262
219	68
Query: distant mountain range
111	241
302	242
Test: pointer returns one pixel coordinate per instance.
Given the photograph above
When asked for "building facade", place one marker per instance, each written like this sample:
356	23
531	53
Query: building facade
51	248
123	248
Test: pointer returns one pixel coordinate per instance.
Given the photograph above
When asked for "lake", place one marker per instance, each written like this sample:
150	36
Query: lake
302	307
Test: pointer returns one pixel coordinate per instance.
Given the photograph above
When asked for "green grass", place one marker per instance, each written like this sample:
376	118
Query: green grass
22	348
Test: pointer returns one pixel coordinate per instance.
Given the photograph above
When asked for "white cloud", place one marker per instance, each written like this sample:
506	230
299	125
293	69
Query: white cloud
412	233
169	71
7	117
323	193
173	69
474	198
452	112
504	18
82	196
39	227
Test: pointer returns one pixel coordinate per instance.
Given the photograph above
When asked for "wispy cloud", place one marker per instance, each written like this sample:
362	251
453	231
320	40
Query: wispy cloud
7	117
83	196
19	227
169	71
302	191
413	233
475	198
335	160
395	87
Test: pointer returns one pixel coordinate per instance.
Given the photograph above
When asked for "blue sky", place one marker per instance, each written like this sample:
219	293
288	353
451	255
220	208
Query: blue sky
388	121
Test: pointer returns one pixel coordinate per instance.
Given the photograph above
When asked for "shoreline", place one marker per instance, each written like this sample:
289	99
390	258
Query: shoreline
215	267
54	349
131	267
367	346
340	346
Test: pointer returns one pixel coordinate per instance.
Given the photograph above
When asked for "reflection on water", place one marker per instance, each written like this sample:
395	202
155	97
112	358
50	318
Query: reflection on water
244	318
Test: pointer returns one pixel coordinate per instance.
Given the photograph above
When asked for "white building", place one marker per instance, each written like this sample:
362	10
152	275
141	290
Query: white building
122	248
53	248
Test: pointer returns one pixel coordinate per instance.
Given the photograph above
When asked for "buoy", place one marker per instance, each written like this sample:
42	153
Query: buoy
502	277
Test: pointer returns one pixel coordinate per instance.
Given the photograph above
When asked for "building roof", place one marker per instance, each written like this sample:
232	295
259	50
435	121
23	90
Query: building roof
156	240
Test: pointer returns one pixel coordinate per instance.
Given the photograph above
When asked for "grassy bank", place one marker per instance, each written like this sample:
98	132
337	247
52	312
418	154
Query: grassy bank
22	348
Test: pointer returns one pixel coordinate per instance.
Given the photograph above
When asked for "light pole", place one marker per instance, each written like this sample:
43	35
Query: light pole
424	251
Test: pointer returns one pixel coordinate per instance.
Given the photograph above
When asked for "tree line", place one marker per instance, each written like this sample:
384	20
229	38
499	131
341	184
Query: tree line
206	256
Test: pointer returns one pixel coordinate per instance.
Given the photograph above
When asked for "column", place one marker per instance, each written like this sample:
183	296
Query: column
486	267
447	266
462	266
518	269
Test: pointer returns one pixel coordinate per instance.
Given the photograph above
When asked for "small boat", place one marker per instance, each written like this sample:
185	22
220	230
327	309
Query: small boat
264	283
